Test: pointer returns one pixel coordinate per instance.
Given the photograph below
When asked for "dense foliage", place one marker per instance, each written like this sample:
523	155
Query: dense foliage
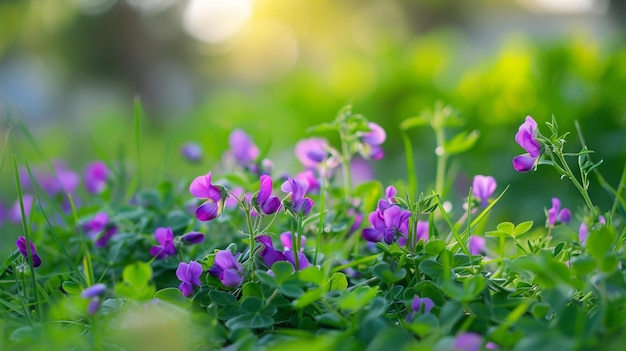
242	257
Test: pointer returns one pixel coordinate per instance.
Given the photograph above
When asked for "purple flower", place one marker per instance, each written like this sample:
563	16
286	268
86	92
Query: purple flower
468	342
93	291
416	307
21	246
476	245
202	188
100	229
94	305
312	152
227	269
303	262
482	188
242	148
165	238
15	213
189	275
558	215
268	204
192	238
61	180
526	137
372	140
394	220
297	203
96	175
269	254
311	180
361	170
191	151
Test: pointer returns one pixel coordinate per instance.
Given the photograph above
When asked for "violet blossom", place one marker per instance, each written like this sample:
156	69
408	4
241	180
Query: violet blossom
267	203
192	238
526	137
21	246
15	213
416	307
96	175
372	140
296	189
191	151
270	255
482	188
312	152
386	224
476	244
558	215
93	293
202	188
189	275
166	248
242	148
100	229
227	269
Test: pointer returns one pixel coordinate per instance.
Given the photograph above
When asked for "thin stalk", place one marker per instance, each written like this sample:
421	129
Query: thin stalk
345	161
26	229
320	227
442	159
576	183
410	164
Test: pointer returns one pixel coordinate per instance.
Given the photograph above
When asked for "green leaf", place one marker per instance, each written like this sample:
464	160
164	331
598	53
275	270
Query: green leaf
283	271
137	274
431	268
173	295
251	304
506	227
417	121
583	265
434	247
461	142
71	287
291	290
358	298
311	274
308	298
383	271
250	321
599	241
266	279
251	289
338	281
522	228
222	298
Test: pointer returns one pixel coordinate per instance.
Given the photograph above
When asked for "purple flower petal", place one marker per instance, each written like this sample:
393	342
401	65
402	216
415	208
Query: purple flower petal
191	151
483	187
164	235
96	175
193	238
375	136
372	235
207	211
231	278
93	306
468	342
21	246
94	290
201	187
524	162
303	262
266	188
583	233
476	245
189	274
242	147
311	152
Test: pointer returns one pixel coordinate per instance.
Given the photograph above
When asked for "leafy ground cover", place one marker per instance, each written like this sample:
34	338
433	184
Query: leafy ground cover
245	257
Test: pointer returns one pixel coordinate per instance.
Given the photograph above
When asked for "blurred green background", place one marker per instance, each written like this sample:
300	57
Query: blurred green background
70	70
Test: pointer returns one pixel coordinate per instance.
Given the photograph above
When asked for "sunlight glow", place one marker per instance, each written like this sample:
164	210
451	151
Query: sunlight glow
215	21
